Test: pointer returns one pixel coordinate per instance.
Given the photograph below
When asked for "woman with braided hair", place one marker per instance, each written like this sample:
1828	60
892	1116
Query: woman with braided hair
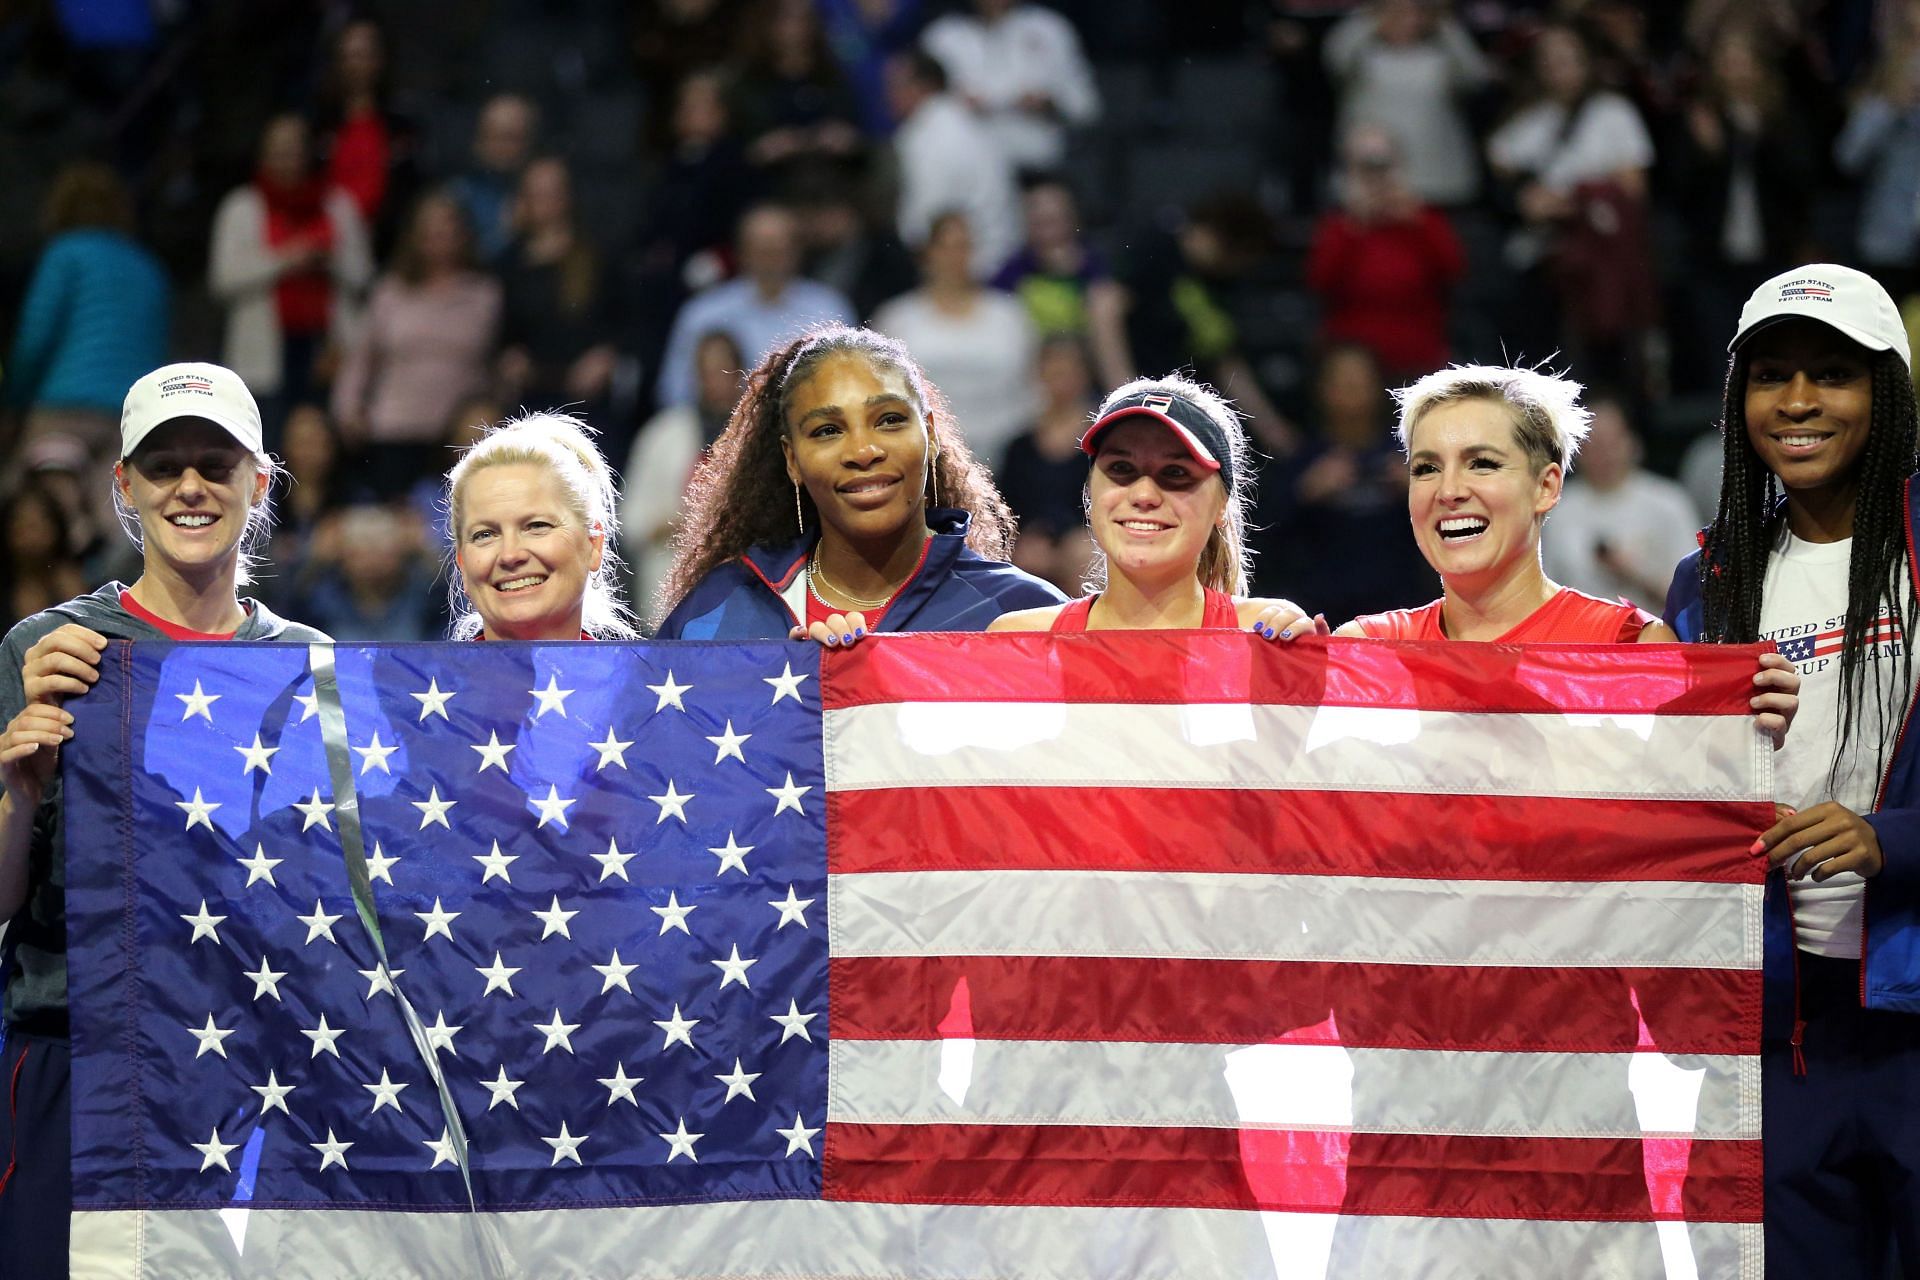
1812	549
842	500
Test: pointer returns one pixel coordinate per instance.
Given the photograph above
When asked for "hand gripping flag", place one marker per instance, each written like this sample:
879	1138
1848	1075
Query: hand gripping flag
1153	955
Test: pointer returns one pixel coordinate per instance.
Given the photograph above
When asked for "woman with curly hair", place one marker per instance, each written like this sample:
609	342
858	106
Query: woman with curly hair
842	500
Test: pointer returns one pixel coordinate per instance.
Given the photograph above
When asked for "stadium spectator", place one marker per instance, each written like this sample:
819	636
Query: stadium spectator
795	110
503	142
1618	527
1880	145
37	566
369	146
672	38
428	341
975	343
370	576
309	490
766	305
95	316
1383	263
864	35
847	248
290	261
555	319
1020	66
1058	272
948	161
1409	67
1044	474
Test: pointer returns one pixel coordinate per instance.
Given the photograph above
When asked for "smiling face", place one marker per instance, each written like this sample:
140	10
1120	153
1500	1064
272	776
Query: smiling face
1151	507
192	486
1473	495
1809	406
857	441
525	554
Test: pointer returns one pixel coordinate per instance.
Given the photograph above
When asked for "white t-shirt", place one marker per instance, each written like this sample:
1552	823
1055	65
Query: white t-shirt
983	362
1803	610
1609	136
1647	521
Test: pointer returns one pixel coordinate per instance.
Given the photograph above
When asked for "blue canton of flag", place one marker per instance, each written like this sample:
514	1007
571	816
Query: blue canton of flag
598	871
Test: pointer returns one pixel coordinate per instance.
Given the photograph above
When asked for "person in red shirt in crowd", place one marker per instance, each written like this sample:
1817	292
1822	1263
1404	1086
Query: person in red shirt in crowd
369	146
1383	263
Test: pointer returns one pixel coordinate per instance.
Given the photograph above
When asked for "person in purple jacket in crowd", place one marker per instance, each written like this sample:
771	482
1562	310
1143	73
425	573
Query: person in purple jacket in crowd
842	500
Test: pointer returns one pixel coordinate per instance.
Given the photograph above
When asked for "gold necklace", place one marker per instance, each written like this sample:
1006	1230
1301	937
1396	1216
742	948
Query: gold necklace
859	602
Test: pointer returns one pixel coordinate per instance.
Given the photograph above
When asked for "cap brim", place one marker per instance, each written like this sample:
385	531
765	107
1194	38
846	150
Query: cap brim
240	431
1860	336
1193	444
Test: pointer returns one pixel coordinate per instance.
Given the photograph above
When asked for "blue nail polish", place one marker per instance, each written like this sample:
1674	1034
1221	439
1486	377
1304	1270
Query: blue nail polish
858	632
1284	635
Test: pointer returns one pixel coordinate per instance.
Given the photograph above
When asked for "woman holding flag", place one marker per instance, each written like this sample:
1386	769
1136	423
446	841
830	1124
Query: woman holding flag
192	485
1812	548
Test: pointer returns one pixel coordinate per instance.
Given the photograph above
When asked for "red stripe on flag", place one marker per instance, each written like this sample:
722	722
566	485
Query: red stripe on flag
1216	666
1385	1006
1463	837
1417	1175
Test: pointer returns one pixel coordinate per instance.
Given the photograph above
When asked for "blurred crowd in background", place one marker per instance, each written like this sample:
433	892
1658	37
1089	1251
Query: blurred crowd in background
402	222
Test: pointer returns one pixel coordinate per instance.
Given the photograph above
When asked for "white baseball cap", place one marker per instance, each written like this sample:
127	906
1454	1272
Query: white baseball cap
1851	301
190	391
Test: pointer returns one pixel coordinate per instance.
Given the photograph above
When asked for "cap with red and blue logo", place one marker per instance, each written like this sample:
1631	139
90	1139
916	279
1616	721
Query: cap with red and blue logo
190	390
1848	300
1196	429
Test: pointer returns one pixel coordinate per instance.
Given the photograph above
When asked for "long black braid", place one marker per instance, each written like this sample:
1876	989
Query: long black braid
1737	543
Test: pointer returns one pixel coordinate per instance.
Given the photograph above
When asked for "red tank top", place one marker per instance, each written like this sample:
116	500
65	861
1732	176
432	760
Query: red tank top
1218	613
1570	617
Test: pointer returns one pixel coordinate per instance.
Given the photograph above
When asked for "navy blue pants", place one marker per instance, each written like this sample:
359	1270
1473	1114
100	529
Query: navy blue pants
36	1155
1843	1141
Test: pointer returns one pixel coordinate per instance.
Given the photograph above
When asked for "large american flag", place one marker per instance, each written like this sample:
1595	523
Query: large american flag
1154	955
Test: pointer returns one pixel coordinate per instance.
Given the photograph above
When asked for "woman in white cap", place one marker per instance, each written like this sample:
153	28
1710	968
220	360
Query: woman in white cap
1166	502
191	485
532	520
1812	548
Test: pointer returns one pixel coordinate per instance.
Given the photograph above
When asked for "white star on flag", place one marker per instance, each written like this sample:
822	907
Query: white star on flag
671	803
554	919
379	980
499	976
205	925
738	1082
793	910
332	1151
552	809
620	1085
259	867
677	1028
442	1148
440	1035
612	751
557	1033
680	1142
379	865
613	862
614	974
673	915
210	1038
786	684
386	1092
669	694
493	752
734	969
566	1146
728	744
315	811
319	924
788	797
793	1022
374	756
733	855
323	1037
197	704
309	705
799	1138
273	1094
552	698
266	980
214	1151
199	810
257	757
433	809
433	702
437	921
502	1090
495	863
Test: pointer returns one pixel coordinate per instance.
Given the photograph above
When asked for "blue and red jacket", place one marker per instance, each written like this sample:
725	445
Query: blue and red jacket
760	596
1890	936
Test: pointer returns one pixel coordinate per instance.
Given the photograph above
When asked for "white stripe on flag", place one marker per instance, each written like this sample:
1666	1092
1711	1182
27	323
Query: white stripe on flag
1274	1085
1319	748
1653	924
812	1240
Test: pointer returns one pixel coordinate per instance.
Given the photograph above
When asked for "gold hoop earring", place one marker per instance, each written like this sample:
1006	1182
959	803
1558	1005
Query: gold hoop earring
799	514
